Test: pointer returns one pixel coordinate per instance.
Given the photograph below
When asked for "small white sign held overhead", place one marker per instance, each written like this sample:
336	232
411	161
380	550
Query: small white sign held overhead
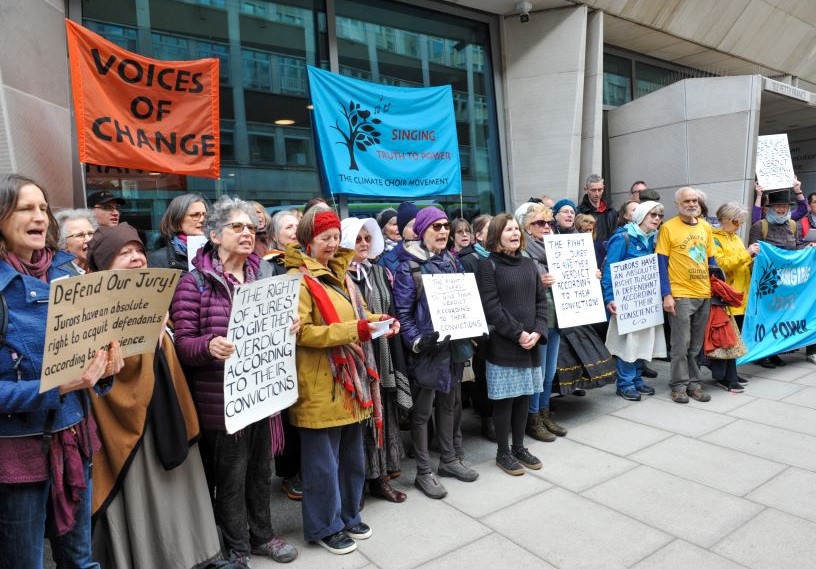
774	168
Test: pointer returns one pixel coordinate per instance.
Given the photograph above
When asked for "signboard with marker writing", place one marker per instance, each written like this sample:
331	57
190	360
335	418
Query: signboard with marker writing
636	289
577	289
455	305
260	377
774	168
88	312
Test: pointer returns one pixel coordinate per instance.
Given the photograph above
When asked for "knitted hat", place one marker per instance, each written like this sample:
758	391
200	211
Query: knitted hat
351	229
649	194
324	220
385	216
562	203
642	209
426	217
107	241
405	213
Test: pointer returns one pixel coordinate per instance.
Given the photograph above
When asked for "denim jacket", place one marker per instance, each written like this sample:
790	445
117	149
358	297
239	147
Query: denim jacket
23	410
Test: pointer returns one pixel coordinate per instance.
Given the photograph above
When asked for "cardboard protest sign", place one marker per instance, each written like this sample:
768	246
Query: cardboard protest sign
636	289
774	168
194	243
455	305
260	377
88	312
577	290
136	112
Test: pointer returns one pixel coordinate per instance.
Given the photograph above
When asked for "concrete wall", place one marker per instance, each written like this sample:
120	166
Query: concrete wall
697	132
35	120
544	68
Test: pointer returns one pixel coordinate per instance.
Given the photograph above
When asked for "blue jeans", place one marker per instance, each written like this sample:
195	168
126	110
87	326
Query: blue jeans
333	473
629	374
25	516
549	363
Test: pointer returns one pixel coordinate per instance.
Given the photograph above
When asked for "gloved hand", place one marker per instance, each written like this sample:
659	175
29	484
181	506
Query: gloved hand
427	343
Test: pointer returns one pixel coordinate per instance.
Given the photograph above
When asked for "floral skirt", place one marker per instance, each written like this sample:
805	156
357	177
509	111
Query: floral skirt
506	382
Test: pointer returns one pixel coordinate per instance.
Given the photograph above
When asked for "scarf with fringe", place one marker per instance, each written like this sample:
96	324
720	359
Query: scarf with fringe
353	365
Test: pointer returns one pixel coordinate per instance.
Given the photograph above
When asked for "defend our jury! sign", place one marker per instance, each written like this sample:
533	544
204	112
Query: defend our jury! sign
88	312
136	112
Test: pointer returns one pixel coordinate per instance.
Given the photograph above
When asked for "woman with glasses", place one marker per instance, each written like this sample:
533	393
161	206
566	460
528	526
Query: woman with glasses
185	216
77	228
537	221
338	383
434	366
636	239
374	281
238	466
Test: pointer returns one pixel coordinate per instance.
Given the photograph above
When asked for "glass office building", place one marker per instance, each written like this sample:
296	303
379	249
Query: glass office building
267	148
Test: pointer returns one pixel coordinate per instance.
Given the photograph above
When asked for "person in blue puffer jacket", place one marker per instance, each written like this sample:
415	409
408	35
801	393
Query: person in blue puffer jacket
633	240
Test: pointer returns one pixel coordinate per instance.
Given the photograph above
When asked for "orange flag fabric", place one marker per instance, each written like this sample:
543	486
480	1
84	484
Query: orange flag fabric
136	112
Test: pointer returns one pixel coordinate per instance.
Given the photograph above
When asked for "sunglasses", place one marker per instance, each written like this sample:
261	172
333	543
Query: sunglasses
542	223
439	226
238	227
360	239
657	215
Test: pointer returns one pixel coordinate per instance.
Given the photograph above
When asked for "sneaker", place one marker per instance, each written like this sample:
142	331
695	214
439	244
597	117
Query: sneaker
645	389
360	531
292	487
338	543
277	549
742	379
458	470
509	464
526	458
699	395
648	372
777	361
579	392
679	397
430	486
732	387
630	394
812	358
766	363
238	560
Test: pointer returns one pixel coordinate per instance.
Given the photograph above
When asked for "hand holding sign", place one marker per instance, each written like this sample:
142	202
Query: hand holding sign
105	363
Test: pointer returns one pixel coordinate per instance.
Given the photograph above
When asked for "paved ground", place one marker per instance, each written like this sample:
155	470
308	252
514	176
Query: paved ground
728	483
650	484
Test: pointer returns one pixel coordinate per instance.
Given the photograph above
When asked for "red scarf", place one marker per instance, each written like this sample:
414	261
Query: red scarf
37	267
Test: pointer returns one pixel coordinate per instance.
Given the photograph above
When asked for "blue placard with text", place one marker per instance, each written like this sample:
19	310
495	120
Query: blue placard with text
781	311
379	140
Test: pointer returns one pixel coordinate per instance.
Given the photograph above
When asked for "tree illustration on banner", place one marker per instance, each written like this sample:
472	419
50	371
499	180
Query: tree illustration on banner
361	132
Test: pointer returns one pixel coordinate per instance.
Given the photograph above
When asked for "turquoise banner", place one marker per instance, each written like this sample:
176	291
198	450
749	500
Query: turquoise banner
378	140
781	311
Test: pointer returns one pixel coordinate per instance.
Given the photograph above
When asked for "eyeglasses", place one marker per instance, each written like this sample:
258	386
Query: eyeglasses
238	227
439	226
198	216
82	235
463	231
109	207
360	239
657	215
542	223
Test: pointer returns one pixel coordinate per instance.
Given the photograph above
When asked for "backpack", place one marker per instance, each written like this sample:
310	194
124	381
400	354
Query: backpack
764	225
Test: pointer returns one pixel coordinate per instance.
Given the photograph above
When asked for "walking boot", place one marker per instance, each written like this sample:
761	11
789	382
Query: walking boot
536	429
549	424
381	488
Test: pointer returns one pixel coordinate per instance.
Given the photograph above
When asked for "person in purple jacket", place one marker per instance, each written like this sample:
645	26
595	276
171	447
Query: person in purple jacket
238	466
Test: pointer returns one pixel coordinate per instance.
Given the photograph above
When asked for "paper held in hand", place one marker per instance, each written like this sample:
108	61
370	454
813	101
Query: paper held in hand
381	328
455	305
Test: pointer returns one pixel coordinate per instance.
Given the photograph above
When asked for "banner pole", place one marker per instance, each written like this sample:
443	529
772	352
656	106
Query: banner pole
342	202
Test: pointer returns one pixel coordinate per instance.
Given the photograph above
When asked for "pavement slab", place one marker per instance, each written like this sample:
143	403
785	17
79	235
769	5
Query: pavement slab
773	443
681	554
616	435
793	491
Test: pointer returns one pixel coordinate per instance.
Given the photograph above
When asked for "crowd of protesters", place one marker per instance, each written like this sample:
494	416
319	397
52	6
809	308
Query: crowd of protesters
168	474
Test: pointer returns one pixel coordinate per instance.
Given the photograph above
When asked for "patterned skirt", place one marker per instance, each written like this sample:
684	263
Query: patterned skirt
506	382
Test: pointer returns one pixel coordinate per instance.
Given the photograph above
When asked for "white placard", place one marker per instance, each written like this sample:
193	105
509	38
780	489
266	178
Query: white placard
577	290
260	377
636	288
774	168
194	243
455	305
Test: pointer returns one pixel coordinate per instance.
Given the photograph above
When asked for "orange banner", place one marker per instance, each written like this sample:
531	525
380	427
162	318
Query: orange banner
136	112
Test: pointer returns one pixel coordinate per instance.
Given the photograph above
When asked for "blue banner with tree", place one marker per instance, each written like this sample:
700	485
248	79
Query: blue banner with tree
379	140
781	311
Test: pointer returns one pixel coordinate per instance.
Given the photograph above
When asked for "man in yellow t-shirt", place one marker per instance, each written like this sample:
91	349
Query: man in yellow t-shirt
685	249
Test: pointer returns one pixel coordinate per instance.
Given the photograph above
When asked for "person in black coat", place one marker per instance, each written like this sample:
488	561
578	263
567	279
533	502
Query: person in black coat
185	216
